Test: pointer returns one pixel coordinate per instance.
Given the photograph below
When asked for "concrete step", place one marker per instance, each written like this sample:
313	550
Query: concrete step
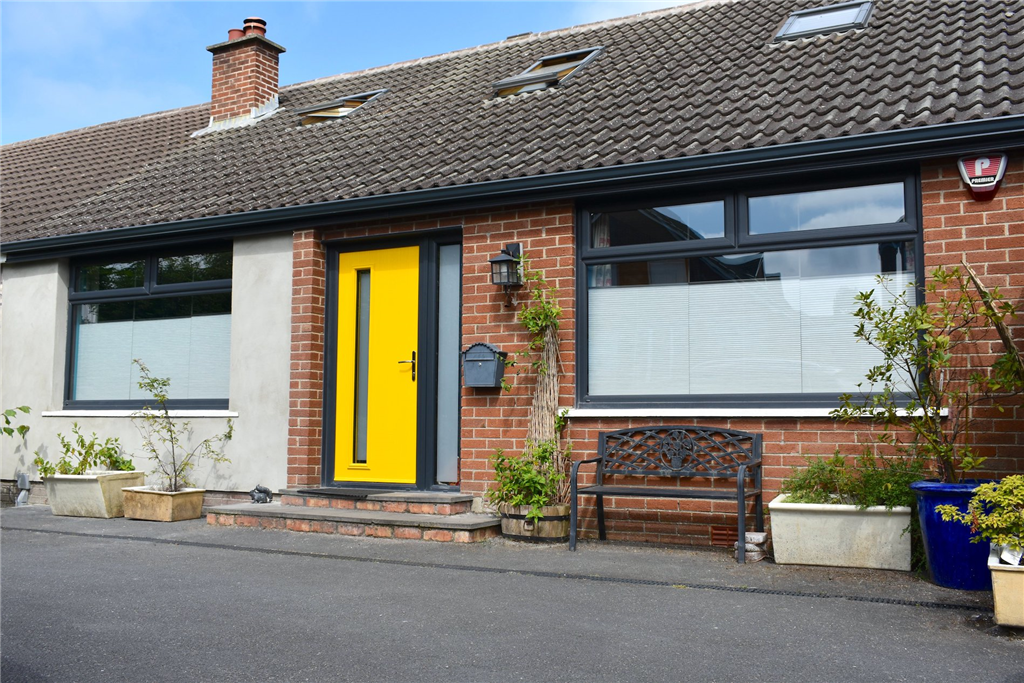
466	527
415	502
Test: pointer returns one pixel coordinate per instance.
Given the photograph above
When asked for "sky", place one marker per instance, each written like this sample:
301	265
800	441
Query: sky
66	65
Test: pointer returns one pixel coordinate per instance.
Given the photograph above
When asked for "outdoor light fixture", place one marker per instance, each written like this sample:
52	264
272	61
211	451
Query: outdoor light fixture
505	270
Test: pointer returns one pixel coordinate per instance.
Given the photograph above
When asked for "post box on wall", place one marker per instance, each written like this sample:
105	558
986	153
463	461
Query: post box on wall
483	366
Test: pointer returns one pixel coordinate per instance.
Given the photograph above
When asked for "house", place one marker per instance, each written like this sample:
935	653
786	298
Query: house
706	187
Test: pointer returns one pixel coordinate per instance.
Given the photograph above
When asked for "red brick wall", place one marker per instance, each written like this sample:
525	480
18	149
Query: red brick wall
305	396
244	77
991	234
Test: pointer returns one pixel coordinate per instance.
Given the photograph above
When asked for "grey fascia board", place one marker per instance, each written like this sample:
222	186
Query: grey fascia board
906	145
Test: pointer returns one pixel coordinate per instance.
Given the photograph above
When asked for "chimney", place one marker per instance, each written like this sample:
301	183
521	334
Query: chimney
245	78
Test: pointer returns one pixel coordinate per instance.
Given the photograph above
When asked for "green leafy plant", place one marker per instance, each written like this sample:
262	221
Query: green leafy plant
995	512
532	478
80	455
539	475
866	482
932	374
11	427
168	443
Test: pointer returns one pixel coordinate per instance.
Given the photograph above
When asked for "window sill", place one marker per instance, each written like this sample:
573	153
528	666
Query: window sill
130	413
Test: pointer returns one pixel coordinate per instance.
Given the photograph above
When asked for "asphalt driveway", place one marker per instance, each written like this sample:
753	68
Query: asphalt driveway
121	600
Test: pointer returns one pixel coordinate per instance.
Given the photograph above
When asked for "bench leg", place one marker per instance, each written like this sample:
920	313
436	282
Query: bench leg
758	501
600	517
572	522
741	524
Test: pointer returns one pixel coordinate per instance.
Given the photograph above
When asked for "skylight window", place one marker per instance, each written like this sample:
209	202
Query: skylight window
546	72
823	20
335	109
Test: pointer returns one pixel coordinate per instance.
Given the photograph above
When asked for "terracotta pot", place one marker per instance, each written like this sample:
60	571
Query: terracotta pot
553	528
144	502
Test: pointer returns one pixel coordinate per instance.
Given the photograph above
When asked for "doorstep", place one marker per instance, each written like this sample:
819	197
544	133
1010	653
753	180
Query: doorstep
465	527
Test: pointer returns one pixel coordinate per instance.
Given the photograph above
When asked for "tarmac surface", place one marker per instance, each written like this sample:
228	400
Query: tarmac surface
124	600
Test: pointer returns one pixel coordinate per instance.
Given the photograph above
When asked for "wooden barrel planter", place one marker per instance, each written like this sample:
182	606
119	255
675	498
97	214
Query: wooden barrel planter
553	528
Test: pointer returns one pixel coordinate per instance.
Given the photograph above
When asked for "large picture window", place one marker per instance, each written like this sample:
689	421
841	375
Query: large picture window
752	304
172	311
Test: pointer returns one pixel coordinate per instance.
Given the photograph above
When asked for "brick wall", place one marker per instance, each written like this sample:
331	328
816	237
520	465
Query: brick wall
244	77
990	234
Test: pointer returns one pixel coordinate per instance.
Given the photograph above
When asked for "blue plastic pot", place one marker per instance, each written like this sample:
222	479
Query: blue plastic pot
954	562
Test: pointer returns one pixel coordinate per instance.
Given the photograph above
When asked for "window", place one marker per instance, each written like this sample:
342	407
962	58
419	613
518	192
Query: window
172	311
823	20
343	106
739	299
546	72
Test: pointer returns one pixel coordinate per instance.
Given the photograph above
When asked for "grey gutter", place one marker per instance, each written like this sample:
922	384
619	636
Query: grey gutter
887	147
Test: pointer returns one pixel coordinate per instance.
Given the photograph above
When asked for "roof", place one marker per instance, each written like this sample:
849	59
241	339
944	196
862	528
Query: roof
680	83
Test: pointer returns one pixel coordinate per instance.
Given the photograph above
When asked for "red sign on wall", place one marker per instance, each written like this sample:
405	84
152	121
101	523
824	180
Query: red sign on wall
982	174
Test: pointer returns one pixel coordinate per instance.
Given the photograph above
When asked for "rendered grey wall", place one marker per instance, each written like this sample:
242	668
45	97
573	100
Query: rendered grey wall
33	325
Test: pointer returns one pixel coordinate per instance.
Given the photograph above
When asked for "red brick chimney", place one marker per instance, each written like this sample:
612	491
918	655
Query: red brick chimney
245	77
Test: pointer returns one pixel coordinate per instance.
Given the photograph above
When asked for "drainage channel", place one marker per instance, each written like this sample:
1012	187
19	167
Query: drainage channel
522	572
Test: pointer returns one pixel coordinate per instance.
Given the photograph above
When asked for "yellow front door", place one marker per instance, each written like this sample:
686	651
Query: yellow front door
378	371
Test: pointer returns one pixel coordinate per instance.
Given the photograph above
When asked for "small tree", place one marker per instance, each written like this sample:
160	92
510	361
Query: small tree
932	375
168	443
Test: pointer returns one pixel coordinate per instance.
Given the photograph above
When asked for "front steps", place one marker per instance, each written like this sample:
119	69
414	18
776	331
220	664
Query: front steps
416	515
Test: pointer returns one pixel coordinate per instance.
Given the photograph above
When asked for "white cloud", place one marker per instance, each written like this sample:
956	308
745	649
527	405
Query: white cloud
599	10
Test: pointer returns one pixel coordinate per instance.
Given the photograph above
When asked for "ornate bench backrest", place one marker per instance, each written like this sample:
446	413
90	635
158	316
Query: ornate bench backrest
677	452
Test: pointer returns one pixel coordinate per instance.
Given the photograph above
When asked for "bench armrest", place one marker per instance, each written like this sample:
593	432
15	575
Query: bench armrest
576	466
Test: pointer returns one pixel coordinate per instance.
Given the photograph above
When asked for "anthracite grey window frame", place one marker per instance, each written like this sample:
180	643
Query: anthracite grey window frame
737	242
860	22
149	290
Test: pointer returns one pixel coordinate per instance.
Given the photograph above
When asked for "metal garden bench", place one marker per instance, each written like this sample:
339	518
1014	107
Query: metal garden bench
680	453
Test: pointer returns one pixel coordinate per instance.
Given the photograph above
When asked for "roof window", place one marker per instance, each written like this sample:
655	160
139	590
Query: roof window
546	72
823	20
335	109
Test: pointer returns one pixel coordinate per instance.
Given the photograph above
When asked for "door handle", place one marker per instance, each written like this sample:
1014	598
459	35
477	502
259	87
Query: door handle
413	361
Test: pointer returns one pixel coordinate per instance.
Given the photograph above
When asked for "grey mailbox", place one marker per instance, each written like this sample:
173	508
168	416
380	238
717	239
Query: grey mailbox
483	365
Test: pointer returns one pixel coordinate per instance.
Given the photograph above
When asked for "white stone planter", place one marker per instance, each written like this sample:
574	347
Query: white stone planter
94	494
1007	590
840	535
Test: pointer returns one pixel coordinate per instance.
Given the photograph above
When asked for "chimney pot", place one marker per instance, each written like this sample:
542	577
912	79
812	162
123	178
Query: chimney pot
255	25
235	33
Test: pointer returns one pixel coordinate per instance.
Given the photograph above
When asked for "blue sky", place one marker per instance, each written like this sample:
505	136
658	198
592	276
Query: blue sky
65	65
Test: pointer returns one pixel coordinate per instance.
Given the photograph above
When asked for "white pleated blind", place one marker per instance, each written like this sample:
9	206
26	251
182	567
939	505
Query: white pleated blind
193	352
759	337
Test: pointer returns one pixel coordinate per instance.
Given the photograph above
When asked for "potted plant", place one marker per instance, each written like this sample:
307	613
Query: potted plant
88	478
532	492
169	445
995	514
838	514
923	394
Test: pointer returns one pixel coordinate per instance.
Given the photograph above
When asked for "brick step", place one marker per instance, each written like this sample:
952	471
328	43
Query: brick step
466	527
415	502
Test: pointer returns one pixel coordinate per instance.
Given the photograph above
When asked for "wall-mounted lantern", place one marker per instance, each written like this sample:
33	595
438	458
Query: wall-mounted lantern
505	270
